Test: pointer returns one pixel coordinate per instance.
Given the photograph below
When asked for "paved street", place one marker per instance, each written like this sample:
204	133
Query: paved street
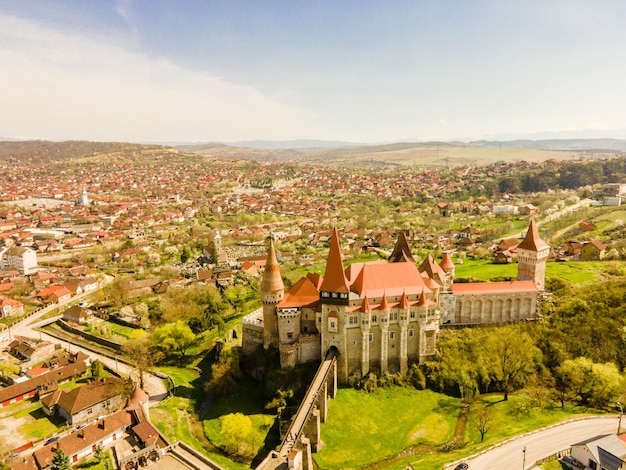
541	444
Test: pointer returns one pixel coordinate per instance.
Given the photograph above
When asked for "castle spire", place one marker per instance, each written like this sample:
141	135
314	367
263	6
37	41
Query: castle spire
271	280
401	251
334	275
532	241
384	305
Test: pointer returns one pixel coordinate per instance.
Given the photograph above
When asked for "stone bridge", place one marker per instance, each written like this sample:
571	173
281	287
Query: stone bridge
303	437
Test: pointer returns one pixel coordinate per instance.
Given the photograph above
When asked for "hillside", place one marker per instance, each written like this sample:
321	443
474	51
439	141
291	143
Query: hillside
40	151
400	154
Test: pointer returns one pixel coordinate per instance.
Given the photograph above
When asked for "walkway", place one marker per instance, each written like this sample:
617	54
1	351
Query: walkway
307	405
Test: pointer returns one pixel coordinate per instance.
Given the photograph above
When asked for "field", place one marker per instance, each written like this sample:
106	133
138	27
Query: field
412	425
570	271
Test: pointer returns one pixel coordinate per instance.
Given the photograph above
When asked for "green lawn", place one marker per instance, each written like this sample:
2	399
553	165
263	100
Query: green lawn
570	271
364	428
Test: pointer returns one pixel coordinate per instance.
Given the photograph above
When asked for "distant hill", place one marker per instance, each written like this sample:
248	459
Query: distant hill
589	145
421	154
445	154
42	151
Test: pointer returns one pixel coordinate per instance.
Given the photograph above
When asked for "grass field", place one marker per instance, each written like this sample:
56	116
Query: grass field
570	271
369	430
364	428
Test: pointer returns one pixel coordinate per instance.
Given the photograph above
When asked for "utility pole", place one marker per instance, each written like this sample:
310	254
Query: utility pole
619	423
524	458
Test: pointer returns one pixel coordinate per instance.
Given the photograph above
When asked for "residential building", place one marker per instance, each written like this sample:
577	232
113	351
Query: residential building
20	258
601	453
84	403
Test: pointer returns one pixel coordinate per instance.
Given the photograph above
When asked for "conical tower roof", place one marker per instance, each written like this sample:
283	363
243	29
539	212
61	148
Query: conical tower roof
404	301
401	251
446	262
384	305
334	275
532	241
365	307
271	280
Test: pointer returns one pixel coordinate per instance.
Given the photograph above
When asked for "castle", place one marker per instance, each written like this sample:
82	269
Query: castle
384	315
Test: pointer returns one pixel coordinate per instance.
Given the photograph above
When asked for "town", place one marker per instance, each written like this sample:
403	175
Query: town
162	307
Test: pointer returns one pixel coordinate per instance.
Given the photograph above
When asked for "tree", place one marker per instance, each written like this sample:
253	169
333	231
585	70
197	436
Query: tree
8	368
100	454
482	418
225	372
236	431
61	461
587	382
96	369
173	337
138	349
512	356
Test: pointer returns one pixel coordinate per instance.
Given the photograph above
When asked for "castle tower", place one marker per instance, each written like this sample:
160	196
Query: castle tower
334	297
272	292
532	255
448	267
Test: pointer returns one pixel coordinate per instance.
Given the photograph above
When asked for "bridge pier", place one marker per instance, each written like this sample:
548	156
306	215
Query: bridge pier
322	402
332	381
313	432
307	455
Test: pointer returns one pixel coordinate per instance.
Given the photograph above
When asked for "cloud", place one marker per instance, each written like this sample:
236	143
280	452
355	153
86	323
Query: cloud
61	85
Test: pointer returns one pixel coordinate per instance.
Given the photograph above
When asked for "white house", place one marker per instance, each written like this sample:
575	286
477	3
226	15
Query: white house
601	452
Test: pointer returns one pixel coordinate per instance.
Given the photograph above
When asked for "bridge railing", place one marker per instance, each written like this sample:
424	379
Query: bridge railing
307	403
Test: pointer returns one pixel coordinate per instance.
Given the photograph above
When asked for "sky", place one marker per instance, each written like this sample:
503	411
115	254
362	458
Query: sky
353	70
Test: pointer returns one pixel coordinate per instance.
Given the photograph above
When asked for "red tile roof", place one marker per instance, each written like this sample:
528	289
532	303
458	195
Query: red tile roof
334	275
303	294
532	241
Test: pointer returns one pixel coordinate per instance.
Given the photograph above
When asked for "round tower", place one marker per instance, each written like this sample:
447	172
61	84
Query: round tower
272	292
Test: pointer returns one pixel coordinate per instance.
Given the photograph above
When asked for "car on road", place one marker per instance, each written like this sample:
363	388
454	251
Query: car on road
51	440
79	427
461	466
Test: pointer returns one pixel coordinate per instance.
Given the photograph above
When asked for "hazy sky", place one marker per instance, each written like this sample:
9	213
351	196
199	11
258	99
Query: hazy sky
354	70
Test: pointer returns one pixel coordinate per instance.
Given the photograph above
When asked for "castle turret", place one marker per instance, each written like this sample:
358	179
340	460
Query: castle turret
532	255
272	292
448	267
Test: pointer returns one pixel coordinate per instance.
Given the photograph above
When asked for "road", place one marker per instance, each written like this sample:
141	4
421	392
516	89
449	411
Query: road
541	444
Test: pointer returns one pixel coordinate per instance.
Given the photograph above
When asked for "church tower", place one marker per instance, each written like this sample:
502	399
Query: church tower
272	292
84	200
532	255
217	241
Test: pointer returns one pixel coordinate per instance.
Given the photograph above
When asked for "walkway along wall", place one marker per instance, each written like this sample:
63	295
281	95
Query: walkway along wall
304	436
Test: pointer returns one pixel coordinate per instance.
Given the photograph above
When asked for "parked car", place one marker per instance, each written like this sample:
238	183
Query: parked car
79	427
461	466
51	440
